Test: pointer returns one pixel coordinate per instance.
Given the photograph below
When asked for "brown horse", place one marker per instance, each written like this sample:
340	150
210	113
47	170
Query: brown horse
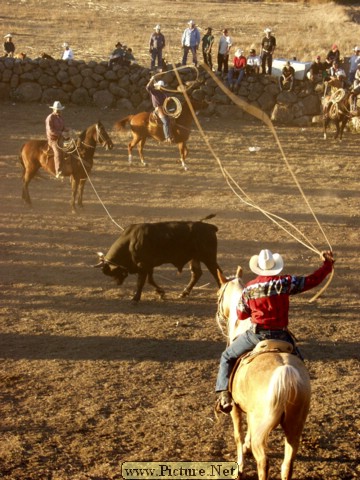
78	164
142	127
272	389
336	108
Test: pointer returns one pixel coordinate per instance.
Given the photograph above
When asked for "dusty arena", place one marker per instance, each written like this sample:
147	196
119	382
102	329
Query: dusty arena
89	379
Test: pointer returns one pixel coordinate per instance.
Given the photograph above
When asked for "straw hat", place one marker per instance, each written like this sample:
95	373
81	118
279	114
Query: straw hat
57	106
157	27
266	263
267	30
8	35
65	44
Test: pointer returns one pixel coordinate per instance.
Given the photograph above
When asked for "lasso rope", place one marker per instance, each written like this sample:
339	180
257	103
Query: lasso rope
76	149
256	112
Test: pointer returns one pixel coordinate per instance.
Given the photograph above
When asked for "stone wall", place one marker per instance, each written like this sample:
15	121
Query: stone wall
44	81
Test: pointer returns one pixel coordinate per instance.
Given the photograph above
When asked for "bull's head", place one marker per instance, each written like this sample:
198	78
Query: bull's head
112	269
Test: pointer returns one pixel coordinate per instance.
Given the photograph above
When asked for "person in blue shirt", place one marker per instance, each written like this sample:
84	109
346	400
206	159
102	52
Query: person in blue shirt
190	42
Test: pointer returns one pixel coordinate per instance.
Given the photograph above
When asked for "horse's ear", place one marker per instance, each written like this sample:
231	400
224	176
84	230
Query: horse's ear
239	272
221	277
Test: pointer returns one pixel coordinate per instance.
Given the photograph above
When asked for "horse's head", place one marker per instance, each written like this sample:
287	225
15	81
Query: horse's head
229	295
103	137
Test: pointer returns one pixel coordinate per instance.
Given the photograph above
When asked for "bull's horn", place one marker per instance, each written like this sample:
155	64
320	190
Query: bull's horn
98	265
100	254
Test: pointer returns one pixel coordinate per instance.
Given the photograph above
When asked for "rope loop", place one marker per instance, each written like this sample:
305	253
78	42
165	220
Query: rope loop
337	96
172	107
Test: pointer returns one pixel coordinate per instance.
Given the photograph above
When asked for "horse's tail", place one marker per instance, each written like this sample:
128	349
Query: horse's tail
21	160
283	390
120	125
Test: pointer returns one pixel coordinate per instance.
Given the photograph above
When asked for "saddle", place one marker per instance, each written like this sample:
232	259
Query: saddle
66	167
265	346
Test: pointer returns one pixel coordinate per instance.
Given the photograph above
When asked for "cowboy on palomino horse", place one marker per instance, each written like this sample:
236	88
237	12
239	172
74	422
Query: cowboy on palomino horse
158	98
266	300
55	127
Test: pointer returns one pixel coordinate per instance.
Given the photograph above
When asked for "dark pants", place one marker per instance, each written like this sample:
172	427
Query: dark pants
223	63
243	343
156	55
207	58
266	60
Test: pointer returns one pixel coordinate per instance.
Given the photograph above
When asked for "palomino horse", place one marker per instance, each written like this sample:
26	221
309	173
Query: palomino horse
272	389
336	107
34	154
142	128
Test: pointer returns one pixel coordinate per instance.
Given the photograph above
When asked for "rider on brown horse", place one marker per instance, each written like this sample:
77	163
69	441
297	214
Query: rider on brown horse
55	127
266	300
158	98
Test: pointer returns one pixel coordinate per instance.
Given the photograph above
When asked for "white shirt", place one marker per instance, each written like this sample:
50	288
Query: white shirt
68	54
253	61
225	43
354	62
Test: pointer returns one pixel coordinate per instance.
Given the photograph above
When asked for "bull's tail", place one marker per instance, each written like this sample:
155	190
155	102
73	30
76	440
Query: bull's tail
212	215
120	125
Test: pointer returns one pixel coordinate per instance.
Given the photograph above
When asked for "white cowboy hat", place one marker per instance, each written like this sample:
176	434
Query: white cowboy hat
159	84
65	44
191	22
266	263
356	49
239	52
8	35
57	106
157	27
268	30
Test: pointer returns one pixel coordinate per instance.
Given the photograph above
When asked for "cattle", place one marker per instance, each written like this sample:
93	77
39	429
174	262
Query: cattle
144	246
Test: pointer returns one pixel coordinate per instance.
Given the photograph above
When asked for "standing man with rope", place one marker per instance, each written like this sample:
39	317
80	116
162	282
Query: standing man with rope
158	98
266	300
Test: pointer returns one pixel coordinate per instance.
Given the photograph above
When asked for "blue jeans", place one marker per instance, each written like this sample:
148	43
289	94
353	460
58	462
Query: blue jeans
166	126
243	343
186	52
235	73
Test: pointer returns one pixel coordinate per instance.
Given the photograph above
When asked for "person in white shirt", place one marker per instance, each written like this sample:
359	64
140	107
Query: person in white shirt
225	43
253	63
68	53
354	61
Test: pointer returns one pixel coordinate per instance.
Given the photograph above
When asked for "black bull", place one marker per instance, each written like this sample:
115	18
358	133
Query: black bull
142	247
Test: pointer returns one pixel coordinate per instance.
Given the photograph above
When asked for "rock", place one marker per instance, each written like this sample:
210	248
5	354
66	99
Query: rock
28	92
80	96
103	99
282	114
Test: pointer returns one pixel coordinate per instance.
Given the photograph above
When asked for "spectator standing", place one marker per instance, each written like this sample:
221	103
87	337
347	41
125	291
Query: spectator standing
9	47
190	42
268	45
354	63
355	91
287	77
156	46
207	43
225	44
333	56
316	72
237	71
68	53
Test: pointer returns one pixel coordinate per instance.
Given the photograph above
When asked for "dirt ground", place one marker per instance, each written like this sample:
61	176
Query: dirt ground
89	380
